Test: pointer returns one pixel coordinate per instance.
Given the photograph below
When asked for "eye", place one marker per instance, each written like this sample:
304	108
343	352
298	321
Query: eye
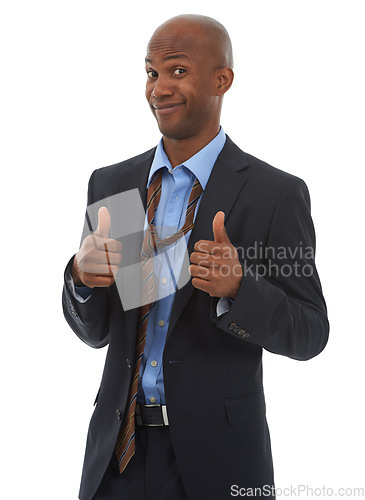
152	74
179	71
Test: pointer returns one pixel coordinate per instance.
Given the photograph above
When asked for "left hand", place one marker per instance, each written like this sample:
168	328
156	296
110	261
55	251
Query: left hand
215	265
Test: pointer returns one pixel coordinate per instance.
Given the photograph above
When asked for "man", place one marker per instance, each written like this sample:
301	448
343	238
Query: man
180	413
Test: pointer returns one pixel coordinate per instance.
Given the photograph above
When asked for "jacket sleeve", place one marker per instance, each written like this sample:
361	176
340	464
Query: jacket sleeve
280	305
89	319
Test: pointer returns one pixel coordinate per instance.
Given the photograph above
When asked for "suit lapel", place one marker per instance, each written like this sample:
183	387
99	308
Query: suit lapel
225	183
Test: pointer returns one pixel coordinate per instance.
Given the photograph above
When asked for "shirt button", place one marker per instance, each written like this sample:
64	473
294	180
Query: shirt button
164	281
154	363
153	399
161	322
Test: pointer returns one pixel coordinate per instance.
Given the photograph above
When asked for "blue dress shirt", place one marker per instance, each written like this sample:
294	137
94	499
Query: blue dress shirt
169	217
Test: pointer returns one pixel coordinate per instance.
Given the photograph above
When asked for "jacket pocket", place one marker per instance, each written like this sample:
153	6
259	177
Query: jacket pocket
245	408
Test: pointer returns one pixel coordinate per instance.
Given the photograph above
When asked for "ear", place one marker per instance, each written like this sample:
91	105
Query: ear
224	80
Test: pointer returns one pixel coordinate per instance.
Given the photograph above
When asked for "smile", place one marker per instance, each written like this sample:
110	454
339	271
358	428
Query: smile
165	109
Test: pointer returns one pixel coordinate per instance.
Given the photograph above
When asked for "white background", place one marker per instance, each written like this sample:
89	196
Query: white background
72	100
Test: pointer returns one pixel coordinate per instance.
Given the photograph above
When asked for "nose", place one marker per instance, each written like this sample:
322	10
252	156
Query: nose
161	88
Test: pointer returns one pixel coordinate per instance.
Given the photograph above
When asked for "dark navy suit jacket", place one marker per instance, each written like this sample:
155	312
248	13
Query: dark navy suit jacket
213	366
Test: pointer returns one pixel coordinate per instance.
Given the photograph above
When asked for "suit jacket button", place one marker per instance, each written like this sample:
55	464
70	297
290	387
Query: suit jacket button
128	361
119	415
232	326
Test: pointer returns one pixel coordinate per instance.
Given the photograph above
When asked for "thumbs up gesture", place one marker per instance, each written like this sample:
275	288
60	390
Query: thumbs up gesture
98	259
215	266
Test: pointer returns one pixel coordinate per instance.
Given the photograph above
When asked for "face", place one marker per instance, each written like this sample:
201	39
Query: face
181	82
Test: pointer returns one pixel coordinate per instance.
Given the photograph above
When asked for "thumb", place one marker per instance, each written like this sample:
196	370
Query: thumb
219	231
103	223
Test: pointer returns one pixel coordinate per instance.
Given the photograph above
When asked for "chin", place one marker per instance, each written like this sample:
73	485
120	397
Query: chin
175	132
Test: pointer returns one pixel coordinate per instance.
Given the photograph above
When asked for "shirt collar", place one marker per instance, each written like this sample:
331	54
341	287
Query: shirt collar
200	164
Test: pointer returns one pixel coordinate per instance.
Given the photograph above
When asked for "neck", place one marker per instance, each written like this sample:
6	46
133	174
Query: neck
180	150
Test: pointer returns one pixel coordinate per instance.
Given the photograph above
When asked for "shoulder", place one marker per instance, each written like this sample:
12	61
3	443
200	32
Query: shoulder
270	181
125	166
121	176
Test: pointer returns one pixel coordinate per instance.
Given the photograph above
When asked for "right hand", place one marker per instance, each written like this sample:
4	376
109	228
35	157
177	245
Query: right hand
97	261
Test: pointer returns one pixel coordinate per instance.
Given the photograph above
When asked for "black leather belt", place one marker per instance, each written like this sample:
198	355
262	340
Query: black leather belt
151	415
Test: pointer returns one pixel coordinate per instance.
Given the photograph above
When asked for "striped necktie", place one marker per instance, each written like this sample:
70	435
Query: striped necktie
125	446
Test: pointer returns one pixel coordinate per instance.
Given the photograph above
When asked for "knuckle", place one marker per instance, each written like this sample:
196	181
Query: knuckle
195	282
205	272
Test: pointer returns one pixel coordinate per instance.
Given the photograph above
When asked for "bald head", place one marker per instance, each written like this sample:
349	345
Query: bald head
211	34
189	69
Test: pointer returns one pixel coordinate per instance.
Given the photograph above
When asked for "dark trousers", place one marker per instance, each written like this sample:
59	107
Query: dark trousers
152	473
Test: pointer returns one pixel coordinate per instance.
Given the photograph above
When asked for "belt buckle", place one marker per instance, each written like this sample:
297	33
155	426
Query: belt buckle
163	413
138	416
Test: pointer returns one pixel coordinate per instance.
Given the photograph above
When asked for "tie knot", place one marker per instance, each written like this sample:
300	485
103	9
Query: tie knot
151	240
